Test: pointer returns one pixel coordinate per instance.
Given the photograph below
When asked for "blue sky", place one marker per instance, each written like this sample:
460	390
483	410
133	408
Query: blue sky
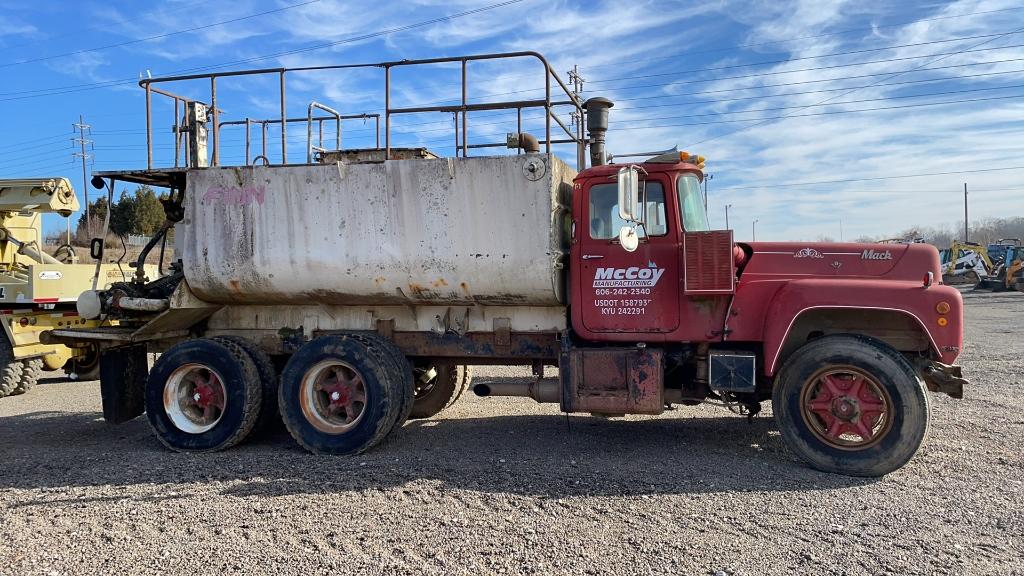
806	109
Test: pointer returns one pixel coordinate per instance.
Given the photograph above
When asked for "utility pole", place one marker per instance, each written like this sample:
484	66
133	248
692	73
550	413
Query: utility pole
83	129
753	230
577	94
966	238
727	206
706	178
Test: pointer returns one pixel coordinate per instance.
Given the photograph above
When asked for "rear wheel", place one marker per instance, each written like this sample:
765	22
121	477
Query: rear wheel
342	394
851	405
438	387
203	395
268	375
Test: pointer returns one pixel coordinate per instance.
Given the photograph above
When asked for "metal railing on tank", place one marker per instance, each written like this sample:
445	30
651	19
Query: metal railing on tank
309	121
573	132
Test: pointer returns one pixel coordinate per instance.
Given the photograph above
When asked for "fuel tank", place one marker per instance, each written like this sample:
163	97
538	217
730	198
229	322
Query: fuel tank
488	230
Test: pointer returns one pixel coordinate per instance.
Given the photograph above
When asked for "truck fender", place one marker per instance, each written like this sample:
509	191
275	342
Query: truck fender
806	296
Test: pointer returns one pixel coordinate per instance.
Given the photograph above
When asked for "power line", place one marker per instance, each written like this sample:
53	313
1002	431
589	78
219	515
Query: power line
21	145
105	27
862	101
94	85
676	55
826	113
875	178
158	36
109	83
817	57
819	91
942	57
848	31
754	75
18	153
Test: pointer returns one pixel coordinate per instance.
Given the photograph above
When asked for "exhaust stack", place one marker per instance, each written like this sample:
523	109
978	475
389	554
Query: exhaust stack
597	126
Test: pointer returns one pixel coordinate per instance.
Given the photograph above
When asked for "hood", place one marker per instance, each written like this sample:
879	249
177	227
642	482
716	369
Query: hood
893	261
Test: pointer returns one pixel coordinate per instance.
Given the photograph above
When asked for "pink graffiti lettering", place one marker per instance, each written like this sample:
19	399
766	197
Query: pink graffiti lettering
235	195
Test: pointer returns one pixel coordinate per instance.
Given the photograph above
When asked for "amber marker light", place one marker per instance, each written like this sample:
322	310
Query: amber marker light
942	307
943	321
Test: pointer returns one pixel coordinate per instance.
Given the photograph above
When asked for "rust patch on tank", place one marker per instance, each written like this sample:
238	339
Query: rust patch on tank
465	288
379	280
420	292
440	283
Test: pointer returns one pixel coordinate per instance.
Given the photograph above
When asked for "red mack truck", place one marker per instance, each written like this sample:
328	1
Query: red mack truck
349	290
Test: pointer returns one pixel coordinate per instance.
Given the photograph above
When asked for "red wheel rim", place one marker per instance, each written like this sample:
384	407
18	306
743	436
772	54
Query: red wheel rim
333	396
846	408
194	398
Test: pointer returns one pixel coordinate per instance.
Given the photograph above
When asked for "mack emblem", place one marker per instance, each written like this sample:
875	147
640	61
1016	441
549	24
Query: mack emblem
872	255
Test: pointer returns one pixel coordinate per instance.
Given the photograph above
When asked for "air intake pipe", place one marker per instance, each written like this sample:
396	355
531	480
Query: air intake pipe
597	126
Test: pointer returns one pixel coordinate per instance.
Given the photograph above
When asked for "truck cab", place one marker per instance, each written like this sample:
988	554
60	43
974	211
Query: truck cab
838	336
621	293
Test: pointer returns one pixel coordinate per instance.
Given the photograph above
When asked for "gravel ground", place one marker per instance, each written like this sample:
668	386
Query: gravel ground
506	486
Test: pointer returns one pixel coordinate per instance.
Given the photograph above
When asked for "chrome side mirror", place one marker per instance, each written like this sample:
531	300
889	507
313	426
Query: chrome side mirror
629	194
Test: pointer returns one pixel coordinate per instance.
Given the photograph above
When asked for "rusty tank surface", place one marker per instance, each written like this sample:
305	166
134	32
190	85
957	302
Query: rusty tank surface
486	230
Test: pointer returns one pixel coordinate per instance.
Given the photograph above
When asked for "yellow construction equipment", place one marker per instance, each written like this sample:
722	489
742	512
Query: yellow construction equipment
966	263
38	290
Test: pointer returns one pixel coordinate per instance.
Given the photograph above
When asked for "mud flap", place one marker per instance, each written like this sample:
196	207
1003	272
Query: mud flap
123	373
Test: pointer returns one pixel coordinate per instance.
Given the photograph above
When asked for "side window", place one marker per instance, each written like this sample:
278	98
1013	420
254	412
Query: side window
604	212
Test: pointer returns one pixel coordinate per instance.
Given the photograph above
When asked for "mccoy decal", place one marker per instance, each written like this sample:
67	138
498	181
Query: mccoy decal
631	277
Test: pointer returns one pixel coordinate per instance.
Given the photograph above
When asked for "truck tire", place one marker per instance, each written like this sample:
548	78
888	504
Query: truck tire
10	369
441	391
850	404
401	370
269	379
31	370
341	394
203	395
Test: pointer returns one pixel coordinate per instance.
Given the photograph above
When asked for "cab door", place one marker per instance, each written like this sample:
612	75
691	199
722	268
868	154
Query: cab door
620	291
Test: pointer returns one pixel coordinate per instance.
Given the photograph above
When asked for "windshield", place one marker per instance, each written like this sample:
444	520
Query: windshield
695	219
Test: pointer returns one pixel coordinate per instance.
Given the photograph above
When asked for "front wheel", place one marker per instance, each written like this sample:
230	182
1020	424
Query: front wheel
851	405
